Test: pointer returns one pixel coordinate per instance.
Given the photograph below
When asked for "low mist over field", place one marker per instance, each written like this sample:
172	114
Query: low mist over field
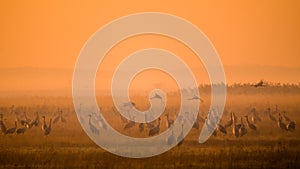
68	145
58	82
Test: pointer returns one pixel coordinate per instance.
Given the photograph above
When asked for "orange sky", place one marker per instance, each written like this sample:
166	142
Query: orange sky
50	34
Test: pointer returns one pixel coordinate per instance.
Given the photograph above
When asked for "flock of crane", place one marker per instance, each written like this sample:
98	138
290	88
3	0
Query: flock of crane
25	124
237	126
212	119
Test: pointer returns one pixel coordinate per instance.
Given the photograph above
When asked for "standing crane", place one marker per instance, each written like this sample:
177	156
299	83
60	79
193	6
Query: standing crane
36	121
209	125
281	124
242	129
141	127
59	117
27	123
99	120
180	138
235	127
92	126
21	130
155	130
291	125
286	117
12	130
130	124
272	118
196	124
229	122
169	120
250	125
221	128
2	125
46	128
254	118
171	138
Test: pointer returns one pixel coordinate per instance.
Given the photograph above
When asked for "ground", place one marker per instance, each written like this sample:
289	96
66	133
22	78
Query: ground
67	146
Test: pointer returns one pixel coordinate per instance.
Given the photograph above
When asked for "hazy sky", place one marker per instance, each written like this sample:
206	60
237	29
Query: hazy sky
50	34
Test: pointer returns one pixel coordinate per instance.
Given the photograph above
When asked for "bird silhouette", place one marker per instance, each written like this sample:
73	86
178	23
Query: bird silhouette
259	84
46	128
196	98
291	126
129	104
180	138
34	122
155	130
169	120
250	125
12	130
156	96
281	124
21	130
93	129
286	117
221	128
130	124
242	130
171	138
2	125
59	117
141	127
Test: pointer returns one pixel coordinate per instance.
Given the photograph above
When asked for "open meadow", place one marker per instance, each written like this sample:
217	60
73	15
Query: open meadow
68	146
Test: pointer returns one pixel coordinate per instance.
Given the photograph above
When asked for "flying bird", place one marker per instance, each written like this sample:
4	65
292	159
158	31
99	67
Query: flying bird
196	98
261	83
129	104
156	96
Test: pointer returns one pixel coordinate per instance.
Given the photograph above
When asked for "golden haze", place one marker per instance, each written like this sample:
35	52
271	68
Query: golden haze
40	41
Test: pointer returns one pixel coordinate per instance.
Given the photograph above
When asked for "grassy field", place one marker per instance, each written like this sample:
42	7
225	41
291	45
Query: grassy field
68	146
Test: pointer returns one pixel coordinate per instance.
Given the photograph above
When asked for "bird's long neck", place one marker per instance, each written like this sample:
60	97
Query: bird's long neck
232	118
50	123
247	120
279	119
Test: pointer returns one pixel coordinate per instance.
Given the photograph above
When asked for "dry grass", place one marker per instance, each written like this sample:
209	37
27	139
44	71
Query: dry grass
68	146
